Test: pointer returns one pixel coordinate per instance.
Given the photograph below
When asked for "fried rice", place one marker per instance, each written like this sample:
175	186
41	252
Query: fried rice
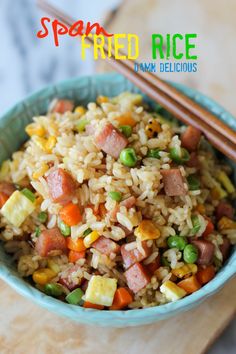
132	219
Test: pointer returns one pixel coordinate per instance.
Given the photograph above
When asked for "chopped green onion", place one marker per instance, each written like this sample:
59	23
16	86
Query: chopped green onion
217	262
28	194
75	297
87	232
82	124
42	217
164	262
154	153
157	107
126	130
128	157
193	183
115	196
37	231
196	224
52	289
65	229
179	155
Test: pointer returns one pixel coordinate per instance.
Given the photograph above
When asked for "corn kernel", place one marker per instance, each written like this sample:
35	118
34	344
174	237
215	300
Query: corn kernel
172	291
225	181
53	266
90	238
35	129
218	193
80	110
102	99
153	128
226	223
40	142
147	231
41	171
43	276
200	208
39	200
187	269
51	142
5	168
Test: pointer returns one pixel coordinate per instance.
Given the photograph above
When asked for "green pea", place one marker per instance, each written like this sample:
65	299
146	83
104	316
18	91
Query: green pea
82	124
37	231
190	254
196	224
53	289
42	217
65	229
87	232
164	262
179	155
128	157
75	297
28	194
154	153
193	183
177	242
126	130
115	196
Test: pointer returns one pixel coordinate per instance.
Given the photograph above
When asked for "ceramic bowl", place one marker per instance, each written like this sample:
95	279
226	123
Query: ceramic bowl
12	135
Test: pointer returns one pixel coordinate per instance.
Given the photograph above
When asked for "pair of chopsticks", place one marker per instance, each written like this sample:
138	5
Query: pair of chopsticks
186	110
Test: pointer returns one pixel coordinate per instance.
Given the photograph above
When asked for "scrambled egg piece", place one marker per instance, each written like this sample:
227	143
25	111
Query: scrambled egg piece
172	291
101	290
17	208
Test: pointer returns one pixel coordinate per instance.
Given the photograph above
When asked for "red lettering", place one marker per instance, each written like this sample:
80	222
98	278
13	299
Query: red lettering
41	33
58	29
99	29
76	29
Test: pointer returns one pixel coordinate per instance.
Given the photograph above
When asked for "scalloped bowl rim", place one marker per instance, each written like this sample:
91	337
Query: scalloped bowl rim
105	317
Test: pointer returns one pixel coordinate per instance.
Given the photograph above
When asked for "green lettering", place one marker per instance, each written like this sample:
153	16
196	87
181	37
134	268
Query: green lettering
175	37
157	44
189	45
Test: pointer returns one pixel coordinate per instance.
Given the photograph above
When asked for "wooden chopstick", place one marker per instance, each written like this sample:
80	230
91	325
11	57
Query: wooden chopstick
182	107
188	103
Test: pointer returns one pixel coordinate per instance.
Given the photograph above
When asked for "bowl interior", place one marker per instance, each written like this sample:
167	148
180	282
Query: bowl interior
12	136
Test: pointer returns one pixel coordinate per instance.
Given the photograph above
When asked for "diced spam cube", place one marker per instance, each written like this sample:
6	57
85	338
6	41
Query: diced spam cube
101	290
172	291
137	277
17	208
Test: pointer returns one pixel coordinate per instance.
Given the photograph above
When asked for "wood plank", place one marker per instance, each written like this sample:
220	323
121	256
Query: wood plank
27	328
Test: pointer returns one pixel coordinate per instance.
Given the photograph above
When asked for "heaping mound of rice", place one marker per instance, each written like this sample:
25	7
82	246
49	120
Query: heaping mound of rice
113	206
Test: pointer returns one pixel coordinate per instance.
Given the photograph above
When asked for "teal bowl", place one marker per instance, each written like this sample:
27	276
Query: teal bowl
12	135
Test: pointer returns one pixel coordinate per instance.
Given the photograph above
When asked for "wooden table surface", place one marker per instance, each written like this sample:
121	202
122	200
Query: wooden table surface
26	328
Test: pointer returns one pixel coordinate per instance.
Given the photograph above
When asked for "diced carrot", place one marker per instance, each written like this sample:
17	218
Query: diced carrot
89	305
70	214
190	285
75	245
126	119
75	256
204	275
200	208
122	298
209	228
3	198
